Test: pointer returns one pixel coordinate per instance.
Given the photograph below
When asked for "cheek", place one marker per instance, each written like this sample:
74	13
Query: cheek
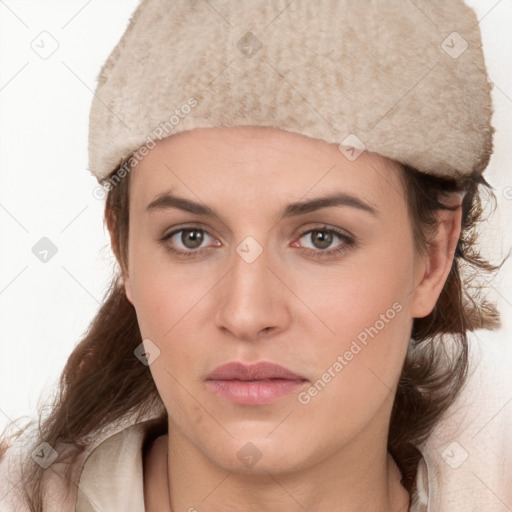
166	305
364	336
163	294
170	303
353	295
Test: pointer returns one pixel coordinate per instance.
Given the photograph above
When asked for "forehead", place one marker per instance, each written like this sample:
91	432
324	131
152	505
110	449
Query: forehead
261	164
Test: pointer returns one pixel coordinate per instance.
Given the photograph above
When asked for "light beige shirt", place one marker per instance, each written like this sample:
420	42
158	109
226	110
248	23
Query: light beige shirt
466	464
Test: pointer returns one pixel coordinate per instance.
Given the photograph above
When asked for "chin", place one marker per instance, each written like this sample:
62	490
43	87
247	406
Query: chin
260	455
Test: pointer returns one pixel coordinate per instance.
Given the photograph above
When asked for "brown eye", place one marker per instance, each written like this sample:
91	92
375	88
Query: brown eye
321	238
324	242
192	238
188	241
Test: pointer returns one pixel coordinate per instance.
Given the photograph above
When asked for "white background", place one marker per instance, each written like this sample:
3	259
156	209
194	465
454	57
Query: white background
46	189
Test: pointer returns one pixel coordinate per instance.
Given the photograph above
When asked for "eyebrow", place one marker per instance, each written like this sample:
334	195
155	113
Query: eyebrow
167	200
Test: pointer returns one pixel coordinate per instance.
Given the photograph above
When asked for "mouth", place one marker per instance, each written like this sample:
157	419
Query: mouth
257	384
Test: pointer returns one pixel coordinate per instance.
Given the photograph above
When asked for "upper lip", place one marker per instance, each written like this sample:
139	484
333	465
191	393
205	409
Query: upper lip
258	371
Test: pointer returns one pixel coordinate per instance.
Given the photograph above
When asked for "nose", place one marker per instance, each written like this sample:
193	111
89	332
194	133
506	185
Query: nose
253	300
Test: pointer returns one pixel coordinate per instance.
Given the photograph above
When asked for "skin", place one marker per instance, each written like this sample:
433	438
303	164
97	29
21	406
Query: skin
286	307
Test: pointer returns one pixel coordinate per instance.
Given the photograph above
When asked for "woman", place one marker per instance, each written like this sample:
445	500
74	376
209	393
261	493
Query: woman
291	201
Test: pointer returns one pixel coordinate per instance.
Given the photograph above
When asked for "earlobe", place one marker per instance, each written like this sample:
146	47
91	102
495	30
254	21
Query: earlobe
437	262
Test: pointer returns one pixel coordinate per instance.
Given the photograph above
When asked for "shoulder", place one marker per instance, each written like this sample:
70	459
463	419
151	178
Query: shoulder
115	453
10	466
20	453
468	458
112	476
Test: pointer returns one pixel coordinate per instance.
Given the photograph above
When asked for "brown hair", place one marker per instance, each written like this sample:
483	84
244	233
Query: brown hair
103	381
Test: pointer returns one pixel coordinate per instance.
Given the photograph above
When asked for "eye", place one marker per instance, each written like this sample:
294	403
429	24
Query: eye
322	238
186	241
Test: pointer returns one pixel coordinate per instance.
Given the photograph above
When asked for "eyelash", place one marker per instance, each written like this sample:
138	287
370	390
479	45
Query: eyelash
347	243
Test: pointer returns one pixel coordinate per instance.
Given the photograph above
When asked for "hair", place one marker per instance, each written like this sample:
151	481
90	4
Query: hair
103	381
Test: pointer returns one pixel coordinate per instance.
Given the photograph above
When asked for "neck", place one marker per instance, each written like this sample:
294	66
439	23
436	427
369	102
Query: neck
370	482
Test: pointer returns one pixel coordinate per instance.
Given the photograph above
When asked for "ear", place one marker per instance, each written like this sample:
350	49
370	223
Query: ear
128	288
437	262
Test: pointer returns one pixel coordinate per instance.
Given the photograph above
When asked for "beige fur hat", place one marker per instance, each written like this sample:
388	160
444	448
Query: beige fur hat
403	78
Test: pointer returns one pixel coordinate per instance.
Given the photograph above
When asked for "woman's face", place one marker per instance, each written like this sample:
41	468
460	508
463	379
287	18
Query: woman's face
258	283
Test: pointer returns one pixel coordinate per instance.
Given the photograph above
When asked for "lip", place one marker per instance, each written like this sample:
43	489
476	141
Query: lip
259	371
254	384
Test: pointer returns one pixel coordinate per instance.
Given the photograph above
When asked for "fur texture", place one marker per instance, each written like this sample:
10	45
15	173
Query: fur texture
391	72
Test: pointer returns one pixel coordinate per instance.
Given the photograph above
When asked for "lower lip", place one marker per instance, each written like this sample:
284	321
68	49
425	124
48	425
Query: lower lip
254	392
